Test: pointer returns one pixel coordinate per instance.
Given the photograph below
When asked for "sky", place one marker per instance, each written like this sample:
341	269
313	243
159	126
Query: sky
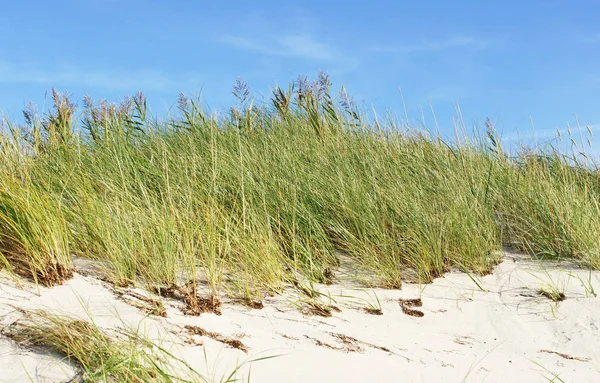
530	66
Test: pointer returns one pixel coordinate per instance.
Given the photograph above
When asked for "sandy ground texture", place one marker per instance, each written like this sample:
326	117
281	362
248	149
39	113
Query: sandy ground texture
496	328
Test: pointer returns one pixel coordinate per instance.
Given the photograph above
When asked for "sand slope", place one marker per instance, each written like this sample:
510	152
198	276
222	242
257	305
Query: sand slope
507	333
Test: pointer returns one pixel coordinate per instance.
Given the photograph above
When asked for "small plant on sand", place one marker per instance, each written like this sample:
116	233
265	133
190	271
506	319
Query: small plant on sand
585	283
372	302
553	294
549	287
310	300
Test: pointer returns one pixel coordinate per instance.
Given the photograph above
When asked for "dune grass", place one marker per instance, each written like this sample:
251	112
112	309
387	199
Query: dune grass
97	355
266	195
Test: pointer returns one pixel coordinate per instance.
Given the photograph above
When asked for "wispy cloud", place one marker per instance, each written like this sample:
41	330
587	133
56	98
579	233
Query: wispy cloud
432	46
301	46
591	39
147	80
305	43
291	45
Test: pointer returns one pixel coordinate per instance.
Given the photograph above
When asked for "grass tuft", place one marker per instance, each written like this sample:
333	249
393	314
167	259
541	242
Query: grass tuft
99	357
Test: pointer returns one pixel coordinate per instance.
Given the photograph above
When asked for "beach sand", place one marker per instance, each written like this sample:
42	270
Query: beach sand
451	331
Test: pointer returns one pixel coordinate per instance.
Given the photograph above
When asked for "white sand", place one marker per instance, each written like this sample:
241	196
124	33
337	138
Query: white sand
508	333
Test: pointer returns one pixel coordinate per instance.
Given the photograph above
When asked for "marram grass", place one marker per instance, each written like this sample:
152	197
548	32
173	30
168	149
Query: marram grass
267	195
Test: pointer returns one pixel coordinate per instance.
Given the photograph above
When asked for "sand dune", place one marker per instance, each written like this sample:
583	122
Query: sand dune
450	330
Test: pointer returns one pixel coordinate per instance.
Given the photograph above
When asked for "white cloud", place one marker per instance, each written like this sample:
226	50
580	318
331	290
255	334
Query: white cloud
304	41
297	46
291	45
68	75
592	39
432	46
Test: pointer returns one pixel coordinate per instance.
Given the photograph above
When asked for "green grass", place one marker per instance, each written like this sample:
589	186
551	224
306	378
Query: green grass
266	195
123	355
97	356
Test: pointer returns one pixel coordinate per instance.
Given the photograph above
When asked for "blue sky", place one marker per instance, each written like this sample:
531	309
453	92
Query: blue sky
507	60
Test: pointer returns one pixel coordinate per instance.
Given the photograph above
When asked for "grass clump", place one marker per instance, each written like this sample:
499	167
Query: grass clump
557	215
269	194
34	234
127	358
